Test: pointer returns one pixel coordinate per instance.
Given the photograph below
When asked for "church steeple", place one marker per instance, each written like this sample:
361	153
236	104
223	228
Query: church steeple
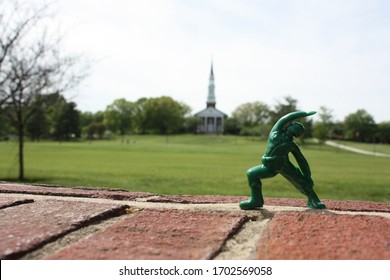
212	120
211	96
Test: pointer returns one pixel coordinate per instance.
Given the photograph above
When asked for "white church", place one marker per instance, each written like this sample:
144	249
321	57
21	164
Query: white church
212	119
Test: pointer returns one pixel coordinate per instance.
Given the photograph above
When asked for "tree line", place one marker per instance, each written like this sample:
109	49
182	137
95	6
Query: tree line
257	118
53	117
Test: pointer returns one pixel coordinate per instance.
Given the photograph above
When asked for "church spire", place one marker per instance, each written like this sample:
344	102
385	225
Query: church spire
211	96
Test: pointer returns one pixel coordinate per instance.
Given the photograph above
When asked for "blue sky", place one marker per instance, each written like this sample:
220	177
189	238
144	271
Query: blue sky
323	53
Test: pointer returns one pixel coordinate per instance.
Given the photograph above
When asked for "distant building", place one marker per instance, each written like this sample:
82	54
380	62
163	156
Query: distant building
212	119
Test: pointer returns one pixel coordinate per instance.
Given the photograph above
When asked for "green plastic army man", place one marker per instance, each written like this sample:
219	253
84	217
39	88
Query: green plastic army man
275	161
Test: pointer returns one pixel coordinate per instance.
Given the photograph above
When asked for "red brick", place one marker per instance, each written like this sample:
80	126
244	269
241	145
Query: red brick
116	194
321	235
339	205
158	234
29	226
351	205
10	201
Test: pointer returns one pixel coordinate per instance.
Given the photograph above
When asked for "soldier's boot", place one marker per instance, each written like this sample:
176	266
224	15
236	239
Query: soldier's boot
313	201
255	200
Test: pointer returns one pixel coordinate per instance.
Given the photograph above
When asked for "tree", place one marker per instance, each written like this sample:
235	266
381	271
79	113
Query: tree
119	116
251	114
11	33
191	124
283	108
232	126
100	129
360	126
95	129
30	65
68	123
252	119
323	128
5	128
384	132
288	105
92	124
164	115
45	110
325	115
86	118
37	125
140	116
52	105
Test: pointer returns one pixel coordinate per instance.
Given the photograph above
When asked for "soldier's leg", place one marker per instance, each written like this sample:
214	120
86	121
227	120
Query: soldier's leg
254	175
303	184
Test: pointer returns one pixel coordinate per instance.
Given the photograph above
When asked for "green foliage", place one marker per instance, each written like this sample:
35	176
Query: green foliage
232	126
37	125
140	116
191	124
257	119
164	115
161	115
119	116
359	126
252	114
86	118
45	112
282	108
94	130
322	129
383	132
325	115
5	127
92	125
68	123
249	119
194	164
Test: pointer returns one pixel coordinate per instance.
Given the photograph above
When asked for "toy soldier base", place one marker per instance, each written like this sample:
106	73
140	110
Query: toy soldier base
275	161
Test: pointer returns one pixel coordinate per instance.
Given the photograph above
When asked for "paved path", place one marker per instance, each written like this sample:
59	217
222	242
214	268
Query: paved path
355	150
53	222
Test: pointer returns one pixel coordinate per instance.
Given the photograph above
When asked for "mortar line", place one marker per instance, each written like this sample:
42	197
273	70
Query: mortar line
71	238
243	245
224	207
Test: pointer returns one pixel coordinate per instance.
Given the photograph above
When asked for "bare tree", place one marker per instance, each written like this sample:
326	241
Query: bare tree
31	65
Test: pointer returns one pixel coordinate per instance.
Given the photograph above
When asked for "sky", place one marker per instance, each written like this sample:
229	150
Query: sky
333	53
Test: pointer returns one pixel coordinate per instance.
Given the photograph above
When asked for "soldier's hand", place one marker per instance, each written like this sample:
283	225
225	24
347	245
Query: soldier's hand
311	113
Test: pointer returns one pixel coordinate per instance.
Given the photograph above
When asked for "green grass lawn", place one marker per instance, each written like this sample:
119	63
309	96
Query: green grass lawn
188	164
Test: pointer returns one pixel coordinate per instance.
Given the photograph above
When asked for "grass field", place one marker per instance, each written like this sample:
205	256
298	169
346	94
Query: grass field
379	148
188	164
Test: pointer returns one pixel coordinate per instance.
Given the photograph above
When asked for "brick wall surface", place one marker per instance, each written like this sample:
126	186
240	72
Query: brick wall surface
55	222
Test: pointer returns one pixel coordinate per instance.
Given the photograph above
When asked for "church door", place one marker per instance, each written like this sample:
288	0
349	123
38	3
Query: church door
210	125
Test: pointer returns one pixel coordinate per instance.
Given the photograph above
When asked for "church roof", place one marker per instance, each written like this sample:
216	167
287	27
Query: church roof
211	112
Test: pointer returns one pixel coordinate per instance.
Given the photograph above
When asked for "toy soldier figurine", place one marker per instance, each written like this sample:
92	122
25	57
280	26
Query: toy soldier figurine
275	161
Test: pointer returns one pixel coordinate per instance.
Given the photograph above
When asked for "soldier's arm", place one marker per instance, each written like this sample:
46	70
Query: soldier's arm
290	117
302	162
